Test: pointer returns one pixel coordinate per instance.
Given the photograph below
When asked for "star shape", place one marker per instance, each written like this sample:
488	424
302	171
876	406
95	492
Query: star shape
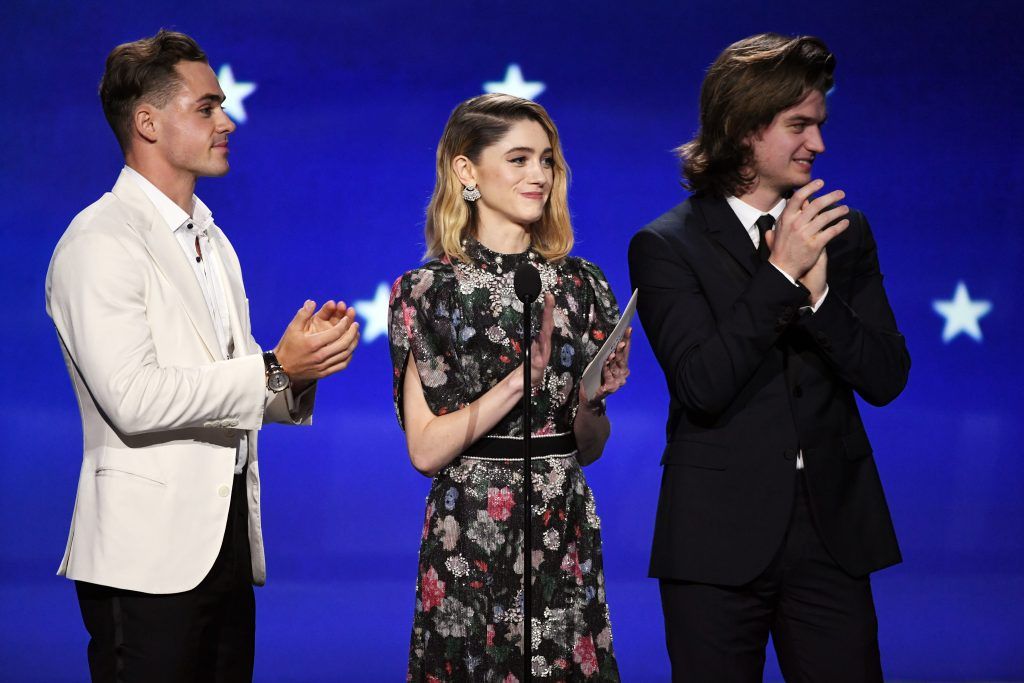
962	314
375	312
234	93
515	85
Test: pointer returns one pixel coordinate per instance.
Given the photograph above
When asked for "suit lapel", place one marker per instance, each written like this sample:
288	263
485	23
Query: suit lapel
724	227
169	259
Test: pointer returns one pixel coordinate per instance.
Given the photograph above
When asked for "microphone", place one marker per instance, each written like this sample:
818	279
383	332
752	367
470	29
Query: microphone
527	283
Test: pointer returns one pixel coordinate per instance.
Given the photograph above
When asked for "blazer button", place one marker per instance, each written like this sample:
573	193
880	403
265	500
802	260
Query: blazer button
798	391
789	454
223	491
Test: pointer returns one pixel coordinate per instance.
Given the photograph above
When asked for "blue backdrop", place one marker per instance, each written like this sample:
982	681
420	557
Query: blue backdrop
340	105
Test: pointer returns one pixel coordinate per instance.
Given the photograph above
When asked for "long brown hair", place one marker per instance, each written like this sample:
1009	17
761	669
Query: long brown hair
750	82
473	126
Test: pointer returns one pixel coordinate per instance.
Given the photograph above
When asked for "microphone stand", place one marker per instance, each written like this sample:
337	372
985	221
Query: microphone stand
527	287
527	503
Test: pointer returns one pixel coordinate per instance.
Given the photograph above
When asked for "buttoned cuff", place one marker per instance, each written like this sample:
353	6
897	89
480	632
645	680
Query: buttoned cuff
812	308
817	304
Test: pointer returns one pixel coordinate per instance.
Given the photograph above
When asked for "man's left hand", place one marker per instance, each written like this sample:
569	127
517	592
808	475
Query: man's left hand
329	315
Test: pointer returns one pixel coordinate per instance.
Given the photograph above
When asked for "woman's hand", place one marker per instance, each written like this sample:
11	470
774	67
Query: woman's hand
613	374
540	351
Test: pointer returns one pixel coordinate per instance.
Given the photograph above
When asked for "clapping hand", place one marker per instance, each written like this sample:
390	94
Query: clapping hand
329	315
798	241
317	344
540	351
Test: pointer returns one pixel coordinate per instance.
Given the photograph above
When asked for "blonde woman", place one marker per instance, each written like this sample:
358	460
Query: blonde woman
456	342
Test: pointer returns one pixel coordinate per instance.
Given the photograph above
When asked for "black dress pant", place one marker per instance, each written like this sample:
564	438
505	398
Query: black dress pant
822	621
206	634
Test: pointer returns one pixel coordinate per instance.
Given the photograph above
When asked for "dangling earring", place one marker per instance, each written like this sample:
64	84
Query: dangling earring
470	193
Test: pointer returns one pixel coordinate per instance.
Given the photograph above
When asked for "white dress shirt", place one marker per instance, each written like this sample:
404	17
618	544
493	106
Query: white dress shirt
748	216
208	269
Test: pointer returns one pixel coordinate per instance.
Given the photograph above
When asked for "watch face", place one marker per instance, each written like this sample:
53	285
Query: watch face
278	380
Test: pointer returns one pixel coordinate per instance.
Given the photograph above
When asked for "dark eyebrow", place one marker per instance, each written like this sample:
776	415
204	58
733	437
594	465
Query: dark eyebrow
807	119
527	149
210	97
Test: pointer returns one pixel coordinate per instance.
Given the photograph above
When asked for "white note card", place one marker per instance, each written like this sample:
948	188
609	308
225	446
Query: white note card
592	375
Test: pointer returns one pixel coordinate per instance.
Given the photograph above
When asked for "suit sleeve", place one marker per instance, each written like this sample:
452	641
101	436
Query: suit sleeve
857	335
97	299
282	407
287	408
706	360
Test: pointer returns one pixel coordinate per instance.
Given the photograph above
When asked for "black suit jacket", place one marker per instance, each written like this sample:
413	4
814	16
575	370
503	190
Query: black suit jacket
753	380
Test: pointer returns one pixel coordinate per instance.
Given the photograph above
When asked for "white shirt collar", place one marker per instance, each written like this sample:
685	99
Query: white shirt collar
748	214
170	212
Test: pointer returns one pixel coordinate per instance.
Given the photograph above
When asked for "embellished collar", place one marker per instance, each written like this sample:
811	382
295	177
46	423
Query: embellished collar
495	262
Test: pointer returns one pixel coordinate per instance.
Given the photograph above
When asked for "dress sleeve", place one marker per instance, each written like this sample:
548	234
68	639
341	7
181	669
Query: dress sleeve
604	311
410	329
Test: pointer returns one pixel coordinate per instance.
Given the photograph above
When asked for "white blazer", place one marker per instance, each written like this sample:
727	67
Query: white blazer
162	410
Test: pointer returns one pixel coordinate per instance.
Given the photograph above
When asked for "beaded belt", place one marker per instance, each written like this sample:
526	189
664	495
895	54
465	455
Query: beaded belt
511	447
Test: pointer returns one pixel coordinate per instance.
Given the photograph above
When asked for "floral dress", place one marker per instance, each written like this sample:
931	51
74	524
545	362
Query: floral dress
463	325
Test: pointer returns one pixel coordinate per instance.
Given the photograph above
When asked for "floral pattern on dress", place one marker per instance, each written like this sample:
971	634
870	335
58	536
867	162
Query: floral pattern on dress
463	325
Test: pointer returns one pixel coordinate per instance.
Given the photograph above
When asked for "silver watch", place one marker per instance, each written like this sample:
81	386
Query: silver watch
277	379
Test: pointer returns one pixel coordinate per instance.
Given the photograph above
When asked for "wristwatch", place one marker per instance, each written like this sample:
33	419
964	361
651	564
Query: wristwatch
277	379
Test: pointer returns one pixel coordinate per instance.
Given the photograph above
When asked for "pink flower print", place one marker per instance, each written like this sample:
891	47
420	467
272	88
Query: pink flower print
408	313
585	655
433	590
571	563
500	503
426	521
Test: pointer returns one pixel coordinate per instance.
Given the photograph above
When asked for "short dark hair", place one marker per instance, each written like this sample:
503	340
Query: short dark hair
750	82
143	70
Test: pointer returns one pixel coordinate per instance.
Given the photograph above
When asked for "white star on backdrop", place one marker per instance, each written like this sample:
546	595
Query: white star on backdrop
962	314
375	312
515	85
234	93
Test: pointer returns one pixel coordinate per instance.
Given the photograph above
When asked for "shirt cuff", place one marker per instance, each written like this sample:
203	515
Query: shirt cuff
817	304
792	280
295	403
813	308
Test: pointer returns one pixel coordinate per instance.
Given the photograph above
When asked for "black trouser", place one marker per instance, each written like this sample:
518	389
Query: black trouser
204	634
822	621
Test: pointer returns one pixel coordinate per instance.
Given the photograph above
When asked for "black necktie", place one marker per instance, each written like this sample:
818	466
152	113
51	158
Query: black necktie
764	224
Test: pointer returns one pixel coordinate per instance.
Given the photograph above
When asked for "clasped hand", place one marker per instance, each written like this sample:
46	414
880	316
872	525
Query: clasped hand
318	343
798	241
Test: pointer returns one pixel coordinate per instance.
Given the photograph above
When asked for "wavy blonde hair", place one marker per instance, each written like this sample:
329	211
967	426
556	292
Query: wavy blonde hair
473	126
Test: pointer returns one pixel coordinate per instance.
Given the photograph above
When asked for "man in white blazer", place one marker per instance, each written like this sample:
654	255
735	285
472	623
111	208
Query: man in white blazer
146	294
